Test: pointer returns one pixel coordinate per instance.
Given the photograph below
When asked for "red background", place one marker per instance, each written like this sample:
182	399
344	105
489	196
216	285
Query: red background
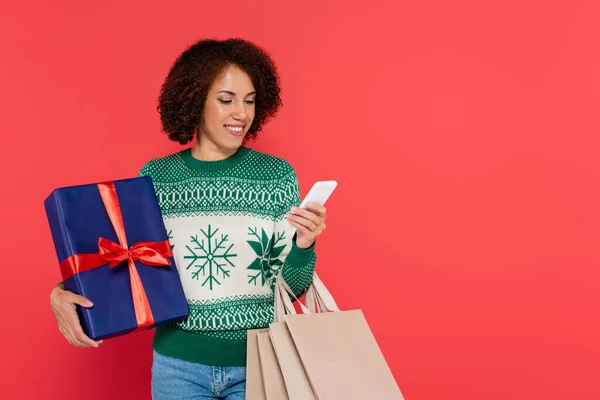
464	136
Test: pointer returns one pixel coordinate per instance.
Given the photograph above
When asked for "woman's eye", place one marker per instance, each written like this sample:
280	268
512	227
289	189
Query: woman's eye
225	101
250	101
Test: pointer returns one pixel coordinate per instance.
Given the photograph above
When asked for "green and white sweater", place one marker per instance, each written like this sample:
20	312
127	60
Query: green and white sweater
227	227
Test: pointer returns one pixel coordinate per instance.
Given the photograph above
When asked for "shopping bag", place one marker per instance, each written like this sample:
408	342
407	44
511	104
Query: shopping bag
264	380
295	378
271	372
255	388
331	351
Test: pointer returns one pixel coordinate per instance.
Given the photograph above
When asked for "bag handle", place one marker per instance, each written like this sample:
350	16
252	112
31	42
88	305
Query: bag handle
283	304
318	298
323	294
314	302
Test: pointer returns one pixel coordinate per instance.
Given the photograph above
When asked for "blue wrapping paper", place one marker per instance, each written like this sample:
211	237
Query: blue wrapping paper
78	218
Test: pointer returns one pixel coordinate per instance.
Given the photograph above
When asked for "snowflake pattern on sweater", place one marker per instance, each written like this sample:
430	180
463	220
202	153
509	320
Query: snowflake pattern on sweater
226	223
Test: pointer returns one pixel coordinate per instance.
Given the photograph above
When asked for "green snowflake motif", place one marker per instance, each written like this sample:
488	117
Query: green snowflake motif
266	262
209	257
170	236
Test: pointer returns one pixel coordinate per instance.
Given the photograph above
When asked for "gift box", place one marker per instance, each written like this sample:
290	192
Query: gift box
113	249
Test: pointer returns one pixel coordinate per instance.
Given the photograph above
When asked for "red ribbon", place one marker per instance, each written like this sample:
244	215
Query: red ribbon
149	253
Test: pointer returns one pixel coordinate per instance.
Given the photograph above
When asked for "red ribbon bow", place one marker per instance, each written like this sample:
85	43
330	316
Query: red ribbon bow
149	253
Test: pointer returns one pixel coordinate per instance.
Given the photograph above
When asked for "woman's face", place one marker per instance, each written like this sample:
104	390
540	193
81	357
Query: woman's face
229	109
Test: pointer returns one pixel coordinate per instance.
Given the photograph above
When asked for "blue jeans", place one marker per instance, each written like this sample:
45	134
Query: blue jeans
174	379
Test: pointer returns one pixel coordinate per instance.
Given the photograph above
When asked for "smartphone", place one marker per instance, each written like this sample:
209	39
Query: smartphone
319	193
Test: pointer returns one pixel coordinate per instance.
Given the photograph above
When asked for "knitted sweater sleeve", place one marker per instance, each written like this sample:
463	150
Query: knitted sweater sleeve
298	264
145	170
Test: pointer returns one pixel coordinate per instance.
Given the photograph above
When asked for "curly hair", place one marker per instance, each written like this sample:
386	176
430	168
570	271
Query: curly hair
183	94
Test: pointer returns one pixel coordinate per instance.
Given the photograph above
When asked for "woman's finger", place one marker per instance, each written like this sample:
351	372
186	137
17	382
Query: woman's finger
319	209
68	334
79	335
310	225
311	216
77	299
304	230
65	329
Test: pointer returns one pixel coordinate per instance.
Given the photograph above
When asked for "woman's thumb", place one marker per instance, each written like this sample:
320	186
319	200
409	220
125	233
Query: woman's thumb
82	301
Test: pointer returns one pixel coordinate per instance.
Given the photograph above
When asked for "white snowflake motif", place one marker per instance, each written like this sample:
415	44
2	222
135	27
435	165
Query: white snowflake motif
210	259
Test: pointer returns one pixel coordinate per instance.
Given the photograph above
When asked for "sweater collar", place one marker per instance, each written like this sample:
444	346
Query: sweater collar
214	166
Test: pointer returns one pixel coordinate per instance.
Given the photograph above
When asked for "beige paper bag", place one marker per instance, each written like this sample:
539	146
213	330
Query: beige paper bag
296	381
339	357
255	388
271	373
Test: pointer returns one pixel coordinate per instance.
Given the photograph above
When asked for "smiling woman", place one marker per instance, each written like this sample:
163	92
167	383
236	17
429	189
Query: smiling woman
230	243
234	74
229	114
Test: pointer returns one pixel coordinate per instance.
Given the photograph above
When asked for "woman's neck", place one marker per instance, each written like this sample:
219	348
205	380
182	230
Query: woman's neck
206	150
